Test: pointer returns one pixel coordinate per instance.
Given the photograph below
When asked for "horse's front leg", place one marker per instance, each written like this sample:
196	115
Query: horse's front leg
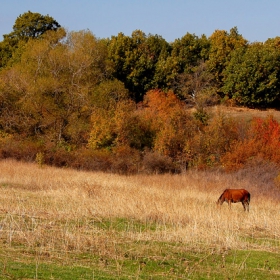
247	206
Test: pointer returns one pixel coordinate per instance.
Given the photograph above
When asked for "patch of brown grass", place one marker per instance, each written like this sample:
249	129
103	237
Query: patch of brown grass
245	113
63	210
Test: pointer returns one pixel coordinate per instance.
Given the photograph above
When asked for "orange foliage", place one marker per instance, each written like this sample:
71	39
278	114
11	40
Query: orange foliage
171	122
267	133
160	105
160	100
262	141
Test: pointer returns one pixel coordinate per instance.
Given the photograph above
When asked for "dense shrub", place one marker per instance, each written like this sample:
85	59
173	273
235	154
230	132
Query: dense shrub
262	141
19	149
212	141
154	162
125	160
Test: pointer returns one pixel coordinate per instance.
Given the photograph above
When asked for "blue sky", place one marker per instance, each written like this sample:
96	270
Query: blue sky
256	20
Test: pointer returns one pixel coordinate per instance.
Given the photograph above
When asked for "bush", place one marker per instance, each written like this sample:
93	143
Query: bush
126	160
93	160
262	141
19	149
154	162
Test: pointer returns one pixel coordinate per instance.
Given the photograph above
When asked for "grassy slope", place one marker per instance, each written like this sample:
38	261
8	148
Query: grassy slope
245	113
65	224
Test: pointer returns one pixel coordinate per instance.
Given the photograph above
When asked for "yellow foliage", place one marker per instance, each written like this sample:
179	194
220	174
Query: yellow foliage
102	132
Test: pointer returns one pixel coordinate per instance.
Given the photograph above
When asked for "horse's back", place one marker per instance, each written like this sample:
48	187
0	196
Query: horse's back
239	194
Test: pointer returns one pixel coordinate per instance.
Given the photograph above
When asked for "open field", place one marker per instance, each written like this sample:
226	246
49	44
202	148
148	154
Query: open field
67	224
244	112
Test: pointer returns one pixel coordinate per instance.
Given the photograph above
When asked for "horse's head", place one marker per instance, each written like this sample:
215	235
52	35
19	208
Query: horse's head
221	198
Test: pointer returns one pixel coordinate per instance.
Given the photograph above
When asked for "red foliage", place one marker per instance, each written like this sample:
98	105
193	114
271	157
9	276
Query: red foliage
262	141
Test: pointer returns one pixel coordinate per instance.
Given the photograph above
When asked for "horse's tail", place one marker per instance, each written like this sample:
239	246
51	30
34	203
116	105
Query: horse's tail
249	197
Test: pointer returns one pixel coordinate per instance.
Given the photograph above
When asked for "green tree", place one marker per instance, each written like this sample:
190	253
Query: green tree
27	26
252	77
189	51
135	59
222	45
32	25
186	54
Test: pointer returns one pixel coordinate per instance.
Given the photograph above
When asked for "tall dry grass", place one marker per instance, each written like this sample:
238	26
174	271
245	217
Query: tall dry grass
60	210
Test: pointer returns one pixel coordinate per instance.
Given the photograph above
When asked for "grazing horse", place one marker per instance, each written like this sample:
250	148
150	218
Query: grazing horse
235	195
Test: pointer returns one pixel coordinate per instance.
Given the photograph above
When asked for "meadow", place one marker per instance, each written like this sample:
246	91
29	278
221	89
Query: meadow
68	224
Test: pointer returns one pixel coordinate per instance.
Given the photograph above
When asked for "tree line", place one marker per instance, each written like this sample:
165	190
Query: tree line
123	103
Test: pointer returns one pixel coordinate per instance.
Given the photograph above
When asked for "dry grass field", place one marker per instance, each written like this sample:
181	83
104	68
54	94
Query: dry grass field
245	113
67	224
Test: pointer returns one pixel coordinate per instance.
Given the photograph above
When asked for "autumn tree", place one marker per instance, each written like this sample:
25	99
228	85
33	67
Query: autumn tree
108	100
172	125
119	125
53	84
160	125
213	141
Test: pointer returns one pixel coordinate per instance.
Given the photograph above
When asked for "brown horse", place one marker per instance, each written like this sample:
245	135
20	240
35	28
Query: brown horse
235	195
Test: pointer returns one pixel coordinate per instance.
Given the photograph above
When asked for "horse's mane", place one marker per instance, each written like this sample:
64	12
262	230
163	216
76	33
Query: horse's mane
223	193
